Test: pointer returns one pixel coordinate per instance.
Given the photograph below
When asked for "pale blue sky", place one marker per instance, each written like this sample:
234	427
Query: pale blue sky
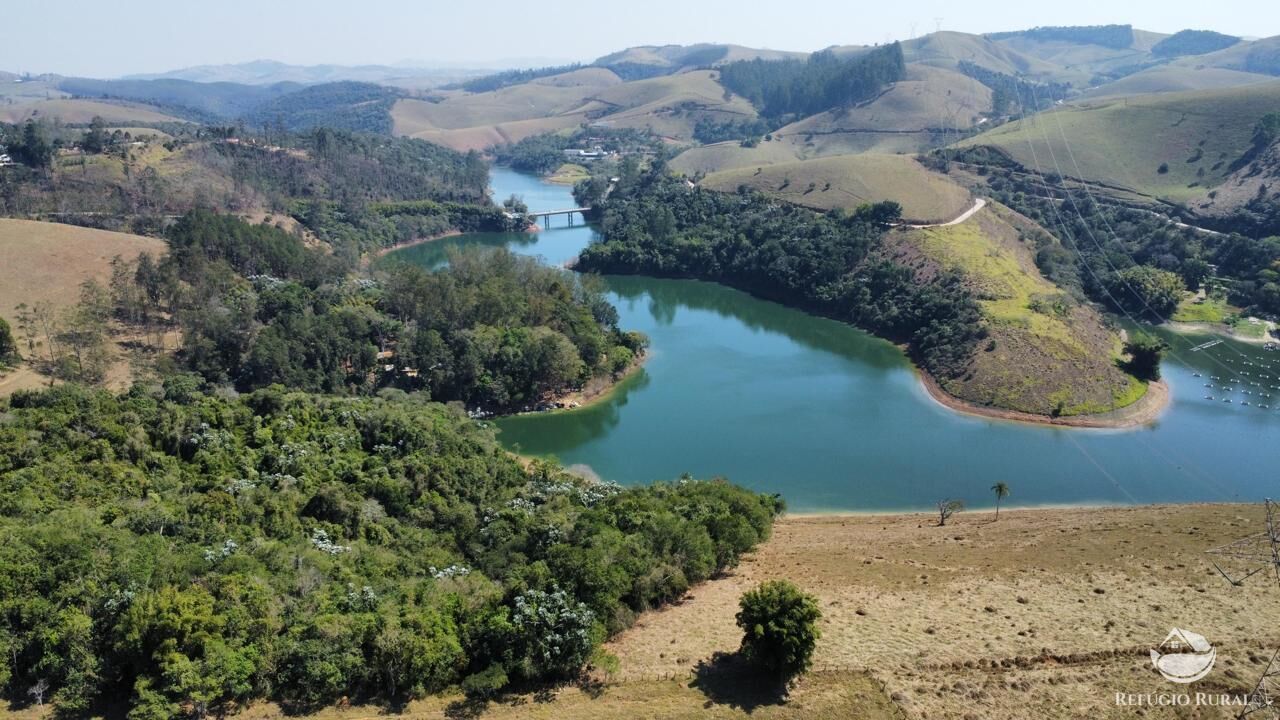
101	39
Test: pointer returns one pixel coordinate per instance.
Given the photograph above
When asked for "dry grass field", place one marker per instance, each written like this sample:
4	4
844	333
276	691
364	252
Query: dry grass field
1045	613
853	180
82	111
47	262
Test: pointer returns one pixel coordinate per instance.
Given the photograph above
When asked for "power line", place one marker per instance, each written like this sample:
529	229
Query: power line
1254	554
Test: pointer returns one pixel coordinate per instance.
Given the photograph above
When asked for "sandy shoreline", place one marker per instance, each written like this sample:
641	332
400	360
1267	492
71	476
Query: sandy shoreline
418	241
1145	411
596	390
1219	329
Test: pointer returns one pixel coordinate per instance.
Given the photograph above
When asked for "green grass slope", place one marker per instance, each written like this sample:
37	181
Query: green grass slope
1171	146
1045	353
853	180
1177	78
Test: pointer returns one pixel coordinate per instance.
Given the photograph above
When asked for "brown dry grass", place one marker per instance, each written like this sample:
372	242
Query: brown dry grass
1046	613
82	111
47	262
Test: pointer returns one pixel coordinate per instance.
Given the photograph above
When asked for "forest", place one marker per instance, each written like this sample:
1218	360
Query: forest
257	307
821	82
168	552
831	264
1116	37
353	106
1193	42
1010	93
1128	258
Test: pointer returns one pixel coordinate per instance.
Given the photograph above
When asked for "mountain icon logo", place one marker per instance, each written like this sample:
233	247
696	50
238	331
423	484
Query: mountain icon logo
1184	656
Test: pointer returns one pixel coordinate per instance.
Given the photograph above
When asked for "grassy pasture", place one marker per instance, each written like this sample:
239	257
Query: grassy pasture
82	111
47	262
852	180
1171	146
731	155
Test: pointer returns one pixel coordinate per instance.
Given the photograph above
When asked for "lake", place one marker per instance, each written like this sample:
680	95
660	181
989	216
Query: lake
836	420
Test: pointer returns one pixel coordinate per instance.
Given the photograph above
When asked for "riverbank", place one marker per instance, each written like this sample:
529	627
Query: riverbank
416	241
1222	330
1145	411
596	390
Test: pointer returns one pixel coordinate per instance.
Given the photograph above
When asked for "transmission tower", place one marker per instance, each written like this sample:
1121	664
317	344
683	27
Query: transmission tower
1247	557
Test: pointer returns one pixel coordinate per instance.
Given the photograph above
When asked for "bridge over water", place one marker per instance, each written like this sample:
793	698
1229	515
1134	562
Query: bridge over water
567	212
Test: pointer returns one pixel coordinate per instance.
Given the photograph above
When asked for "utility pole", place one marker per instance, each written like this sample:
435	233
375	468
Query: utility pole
1257	553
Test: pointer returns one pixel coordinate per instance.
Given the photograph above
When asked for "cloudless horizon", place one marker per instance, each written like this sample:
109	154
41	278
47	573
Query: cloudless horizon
146	36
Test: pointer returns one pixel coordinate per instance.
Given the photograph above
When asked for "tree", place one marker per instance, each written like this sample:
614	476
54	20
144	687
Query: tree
1146	291
1145	352
1002	491
947	508
95	140
34	149
8	346
38	690
780	628
1194	272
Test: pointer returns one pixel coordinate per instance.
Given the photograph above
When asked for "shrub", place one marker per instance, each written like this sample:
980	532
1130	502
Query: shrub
780	628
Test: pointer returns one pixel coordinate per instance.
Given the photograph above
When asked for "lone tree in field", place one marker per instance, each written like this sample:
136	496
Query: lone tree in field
780	628
1002	491
947	508
8	346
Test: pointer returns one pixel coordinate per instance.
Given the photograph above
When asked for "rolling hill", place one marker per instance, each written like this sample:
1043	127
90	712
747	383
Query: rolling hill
668	105
1045	354
1169	146
75	111
853	180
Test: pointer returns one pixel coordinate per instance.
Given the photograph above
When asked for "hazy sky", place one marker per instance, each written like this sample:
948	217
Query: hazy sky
101	39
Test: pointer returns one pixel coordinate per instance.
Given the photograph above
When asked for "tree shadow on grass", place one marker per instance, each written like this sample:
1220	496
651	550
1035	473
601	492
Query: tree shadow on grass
728	679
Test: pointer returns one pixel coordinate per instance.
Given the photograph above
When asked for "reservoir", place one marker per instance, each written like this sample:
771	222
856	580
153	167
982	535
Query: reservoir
834	419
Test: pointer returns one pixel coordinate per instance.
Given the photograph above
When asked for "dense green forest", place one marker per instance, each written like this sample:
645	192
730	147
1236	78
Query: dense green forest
497	81
1008	91
1116	254
493	330
824	81
1193	42
1116	37
708	130
168	552
831	264
355	106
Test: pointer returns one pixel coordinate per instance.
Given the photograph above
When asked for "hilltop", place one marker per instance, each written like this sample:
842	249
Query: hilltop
1167	146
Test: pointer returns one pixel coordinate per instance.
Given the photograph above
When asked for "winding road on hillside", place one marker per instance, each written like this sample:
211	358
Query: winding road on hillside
978	204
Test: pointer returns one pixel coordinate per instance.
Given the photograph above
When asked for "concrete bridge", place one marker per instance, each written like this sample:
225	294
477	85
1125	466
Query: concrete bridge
567	212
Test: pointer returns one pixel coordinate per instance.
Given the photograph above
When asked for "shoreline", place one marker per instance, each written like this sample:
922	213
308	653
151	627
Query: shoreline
1145	411
383	252
1219	329
588	395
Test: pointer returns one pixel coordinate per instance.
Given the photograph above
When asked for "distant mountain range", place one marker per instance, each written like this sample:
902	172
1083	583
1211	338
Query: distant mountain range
271	72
